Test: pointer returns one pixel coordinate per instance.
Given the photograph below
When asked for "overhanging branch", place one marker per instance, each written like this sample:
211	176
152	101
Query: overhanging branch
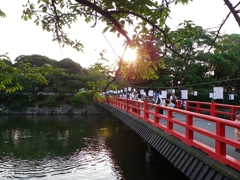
107	16
233	11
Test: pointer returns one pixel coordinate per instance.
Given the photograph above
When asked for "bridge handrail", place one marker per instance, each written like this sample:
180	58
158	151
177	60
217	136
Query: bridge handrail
210	108
221	140
214	109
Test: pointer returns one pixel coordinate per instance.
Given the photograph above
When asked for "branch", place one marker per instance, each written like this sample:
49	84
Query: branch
141	17
221	25
106	15
56	18
154	26
109	17
119	68
233	11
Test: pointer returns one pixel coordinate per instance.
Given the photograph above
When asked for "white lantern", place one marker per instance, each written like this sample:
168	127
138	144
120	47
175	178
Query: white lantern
164	94
231	96
184	94
218	93
210	95
195	93
150	93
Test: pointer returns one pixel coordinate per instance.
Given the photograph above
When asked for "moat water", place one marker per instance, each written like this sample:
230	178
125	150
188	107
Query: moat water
75	147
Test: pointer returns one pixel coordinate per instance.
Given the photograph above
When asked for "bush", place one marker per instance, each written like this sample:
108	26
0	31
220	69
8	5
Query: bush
89	96
78	100
51	101
16	101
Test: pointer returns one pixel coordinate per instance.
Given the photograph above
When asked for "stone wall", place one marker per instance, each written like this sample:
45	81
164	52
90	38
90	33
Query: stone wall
62	109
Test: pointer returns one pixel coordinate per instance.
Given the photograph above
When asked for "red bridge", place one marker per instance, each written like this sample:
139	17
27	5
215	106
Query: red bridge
206	127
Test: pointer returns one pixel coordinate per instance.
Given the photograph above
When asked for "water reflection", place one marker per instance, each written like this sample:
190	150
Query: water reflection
45	146
73	147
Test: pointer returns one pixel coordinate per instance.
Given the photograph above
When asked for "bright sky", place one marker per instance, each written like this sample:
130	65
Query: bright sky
18	37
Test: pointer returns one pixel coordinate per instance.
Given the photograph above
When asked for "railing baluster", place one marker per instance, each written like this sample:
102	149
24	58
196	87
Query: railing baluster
189	132
220	146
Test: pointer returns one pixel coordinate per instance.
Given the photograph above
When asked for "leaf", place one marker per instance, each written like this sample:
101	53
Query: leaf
105	29
44	9
25	18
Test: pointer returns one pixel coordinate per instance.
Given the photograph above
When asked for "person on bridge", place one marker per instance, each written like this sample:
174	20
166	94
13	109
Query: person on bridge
155	96
237	131
161	102
135	97
184	104
173	101
157	99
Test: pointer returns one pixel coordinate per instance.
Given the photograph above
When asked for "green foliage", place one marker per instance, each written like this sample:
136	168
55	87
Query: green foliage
116	15
17	101
188	55
182	1
35	60
70	66
2	14
79	100
12	77
89	96
51	101
66	84
68	17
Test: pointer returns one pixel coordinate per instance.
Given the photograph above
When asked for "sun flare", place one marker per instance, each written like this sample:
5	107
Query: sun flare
130	55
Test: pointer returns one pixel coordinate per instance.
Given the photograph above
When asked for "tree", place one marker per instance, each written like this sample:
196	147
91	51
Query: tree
70	66
226	61
35	60
187	68
14	76
146	18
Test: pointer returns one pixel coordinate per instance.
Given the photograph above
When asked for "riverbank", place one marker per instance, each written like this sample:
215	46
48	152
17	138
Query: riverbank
61	110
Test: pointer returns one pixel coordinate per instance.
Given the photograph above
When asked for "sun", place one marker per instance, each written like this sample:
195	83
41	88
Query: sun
130	55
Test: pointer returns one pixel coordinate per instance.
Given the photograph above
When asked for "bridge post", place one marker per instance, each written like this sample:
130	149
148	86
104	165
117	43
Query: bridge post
213	109
119	126
152	156
156	110
145	107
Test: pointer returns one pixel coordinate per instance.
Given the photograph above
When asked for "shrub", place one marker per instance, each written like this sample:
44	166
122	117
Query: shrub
78	100
16	101
89	96
51	101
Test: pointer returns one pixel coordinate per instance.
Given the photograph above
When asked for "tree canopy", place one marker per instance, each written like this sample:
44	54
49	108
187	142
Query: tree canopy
157	44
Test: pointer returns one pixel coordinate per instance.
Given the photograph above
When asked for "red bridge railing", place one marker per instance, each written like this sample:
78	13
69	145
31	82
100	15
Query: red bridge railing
225	111
221	143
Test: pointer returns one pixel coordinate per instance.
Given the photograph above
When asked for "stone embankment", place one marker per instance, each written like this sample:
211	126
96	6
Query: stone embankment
61	110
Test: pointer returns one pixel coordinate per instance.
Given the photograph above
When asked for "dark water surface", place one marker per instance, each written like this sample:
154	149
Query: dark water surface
74	147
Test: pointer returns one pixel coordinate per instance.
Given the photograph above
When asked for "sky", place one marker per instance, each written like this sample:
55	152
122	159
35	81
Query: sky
19	37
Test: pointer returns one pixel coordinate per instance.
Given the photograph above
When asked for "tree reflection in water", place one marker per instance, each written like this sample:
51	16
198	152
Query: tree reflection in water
72	147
